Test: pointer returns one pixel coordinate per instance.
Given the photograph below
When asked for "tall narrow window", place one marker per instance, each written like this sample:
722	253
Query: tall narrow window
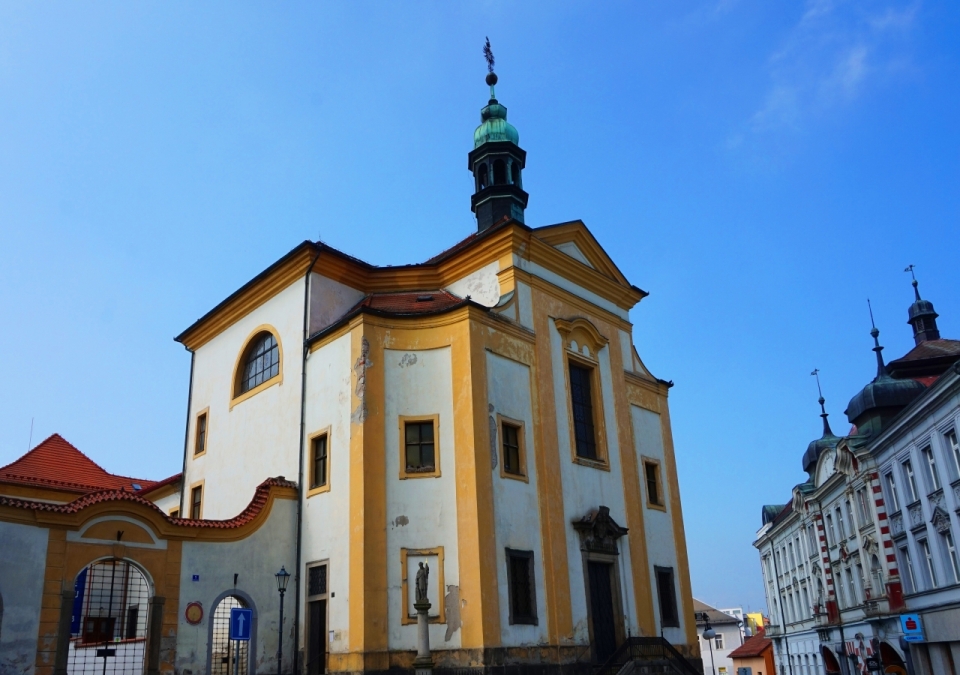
419	447
200	442
651	472
812	539
582	398
929	566
951	438
933	478
950	549
892	489
906	563
196	502
863	506
911	480
850	518
318	452
521	586
667	594
841	530
831	535
512	449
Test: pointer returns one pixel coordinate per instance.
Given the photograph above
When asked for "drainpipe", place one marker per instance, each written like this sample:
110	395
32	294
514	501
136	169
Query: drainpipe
305	350
186	431
783	617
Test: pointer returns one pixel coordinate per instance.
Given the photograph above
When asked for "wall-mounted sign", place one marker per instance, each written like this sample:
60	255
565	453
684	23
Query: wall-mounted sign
196	577
194	613
911	627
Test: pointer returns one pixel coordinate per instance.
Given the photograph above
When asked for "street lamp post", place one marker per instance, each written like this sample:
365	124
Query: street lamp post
283	576
708	635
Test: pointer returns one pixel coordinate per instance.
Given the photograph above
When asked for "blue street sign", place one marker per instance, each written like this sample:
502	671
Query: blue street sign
911	627
240	622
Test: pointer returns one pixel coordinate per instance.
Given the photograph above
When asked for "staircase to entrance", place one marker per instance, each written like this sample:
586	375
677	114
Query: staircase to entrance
641	655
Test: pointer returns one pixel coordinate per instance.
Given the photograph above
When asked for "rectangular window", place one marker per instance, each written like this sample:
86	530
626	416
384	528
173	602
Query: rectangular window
196	502
812	537
200	441
420	447
831	535
850	518
667	594
933	478
892	489
651	473
718	644
317	580
928	565
951	439
863	506
175	513
841	530
841	588
514	463
581	397
950	549
910	480
521	586
906	563
319	461
862	580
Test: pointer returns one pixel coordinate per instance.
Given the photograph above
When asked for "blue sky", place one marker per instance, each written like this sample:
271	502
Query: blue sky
760	168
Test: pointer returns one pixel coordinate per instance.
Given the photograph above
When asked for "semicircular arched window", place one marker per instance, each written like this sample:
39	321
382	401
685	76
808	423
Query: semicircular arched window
260	363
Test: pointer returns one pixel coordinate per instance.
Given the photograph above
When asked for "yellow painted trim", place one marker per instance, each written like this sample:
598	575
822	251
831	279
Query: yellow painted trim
174	512
407	619
642	393
320	489
196	431
652	461
546	456
238	364
401	422
521	442
38	493
577	233
629	471
599	426
203	498
679	535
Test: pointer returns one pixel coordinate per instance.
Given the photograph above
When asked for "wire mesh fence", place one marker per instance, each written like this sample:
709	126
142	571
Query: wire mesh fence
228	657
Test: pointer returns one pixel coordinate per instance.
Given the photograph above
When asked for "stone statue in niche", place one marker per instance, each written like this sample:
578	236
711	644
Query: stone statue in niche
422	574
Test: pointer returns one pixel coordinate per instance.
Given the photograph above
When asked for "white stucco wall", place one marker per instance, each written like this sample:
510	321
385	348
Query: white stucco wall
586	488
168	502
570	286
257	559
516	506
661	550
259	437
326	526
421	512
23	549
482	286
329	300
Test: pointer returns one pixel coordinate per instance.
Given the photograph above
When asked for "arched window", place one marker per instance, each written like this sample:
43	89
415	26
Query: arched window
499	172
482	178
515	170
260	362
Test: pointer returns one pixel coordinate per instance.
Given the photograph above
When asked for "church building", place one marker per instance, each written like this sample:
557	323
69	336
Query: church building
484	412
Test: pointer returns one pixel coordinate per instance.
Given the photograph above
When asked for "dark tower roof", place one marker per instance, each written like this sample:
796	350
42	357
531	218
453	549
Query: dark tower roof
883	397
496	162
922	316
828	441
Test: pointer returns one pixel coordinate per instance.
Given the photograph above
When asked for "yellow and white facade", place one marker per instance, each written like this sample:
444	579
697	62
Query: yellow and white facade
511	308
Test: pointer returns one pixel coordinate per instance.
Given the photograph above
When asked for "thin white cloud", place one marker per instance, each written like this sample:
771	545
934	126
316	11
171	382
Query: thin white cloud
832	55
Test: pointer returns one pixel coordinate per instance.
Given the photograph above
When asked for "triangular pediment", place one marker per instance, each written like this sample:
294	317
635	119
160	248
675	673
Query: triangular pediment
576	241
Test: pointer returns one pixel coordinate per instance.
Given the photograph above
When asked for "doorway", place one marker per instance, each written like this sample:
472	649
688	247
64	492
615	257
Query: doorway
228	657
316	618
602	613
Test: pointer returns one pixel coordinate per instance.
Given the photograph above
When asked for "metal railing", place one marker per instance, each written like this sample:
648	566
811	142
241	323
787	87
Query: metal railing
646	649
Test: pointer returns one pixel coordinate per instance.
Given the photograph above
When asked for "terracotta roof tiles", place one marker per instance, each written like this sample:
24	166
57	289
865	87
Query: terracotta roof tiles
752	647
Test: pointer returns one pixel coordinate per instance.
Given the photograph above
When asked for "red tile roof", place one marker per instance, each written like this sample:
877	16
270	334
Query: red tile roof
175	478
57	464
410	302
752	647
931	349
260	498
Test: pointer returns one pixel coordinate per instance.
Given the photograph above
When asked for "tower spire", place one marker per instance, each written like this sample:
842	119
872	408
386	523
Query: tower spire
875	334
921	314
823	411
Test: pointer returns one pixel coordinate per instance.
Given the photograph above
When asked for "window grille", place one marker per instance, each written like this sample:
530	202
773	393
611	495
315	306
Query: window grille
419	446
317	580
227	656
262	362
581	398
511	449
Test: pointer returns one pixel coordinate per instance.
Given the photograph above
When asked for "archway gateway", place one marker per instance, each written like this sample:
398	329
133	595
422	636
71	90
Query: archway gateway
108	623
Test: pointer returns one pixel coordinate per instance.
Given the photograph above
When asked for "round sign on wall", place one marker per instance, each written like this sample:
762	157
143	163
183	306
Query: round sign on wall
194	613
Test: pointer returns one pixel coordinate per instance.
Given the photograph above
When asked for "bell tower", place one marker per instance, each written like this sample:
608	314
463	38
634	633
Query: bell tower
496	161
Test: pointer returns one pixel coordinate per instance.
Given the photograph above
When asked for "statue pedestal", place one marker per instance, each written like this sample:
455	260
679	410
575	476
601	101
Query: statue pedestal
423	664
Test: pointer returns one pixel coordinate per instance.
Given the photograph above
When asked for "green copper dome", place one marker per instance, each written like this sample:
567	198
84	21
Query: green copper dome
495	126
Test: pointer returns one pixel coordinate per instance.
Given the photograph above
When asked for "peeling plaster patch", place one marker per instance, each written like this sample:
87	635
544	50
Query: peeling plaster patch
408	360
451	603
400	521
360	368
493	442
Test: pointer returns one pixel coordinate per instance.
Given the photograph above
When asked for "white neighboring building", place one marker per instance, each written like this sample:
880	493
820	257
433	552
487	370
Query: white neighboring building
728	637
872	533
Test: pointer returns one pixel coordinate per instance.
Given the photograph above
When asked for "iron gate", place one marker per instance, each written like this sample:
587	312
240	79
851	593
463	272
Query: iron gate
108	625
228	657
